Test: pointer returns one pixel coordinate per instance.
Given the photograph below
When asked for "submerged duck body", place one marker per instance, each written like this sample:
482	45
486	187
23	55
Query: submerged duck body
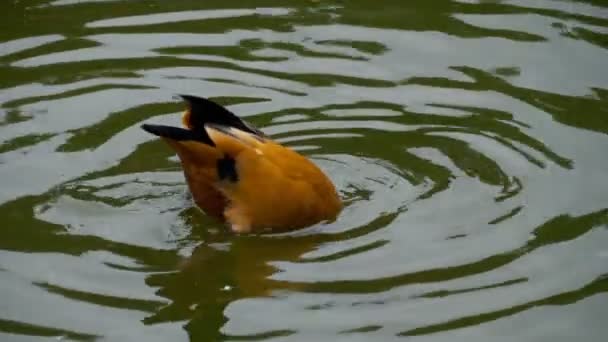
239	175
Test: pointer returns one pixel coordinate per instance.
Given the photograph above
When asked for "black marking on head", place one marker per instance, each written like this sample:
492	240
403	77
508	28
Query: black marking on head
204	111
178	134
226	169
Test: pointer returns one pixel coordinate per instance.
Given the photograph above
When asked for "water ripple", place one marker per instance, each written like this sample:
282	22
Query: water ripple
467	140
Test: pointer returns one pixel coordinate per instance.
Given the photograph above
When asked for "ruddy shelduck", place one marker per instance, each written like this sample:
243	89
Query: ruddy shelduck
240	176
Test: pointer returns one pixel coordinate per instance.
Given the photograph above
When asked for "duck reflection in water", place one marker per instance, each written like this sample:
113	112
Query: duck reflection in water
224	269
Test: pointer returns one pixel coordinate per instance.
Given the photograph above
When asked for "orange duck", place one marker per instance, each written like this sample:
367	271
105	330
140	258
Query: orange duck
239	175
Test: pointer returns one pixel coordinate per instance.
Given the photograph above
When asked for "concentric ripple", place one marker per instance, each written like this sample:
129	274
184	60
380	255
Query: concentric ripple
468	141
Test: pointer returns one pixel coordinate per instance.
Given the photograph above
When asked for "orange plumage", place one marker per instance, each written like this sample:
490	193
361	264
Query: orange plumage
239	175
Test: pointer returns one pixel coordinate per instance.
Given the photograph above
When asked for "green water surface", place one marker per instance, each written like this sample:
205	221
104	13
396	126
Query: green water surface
467	138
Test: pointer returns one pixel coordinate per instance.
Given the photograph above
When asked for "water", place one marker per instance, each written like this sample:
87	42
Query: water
468	140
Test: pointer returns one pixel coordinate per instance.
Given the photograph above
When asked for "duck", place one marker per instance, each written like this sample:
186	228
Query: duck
242	177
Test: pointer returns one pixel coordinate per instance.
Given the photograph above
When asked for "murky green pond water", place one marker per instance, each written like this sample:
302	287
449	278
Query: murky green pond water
468	139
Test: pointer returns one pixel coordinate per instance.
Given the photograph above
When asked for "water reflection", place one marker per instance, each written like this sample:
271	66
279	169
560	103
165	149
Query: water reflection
467	139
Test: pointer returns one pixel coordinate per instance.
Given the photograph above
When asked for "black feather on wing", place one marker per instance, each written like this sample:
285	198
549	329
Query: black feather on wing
204	111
